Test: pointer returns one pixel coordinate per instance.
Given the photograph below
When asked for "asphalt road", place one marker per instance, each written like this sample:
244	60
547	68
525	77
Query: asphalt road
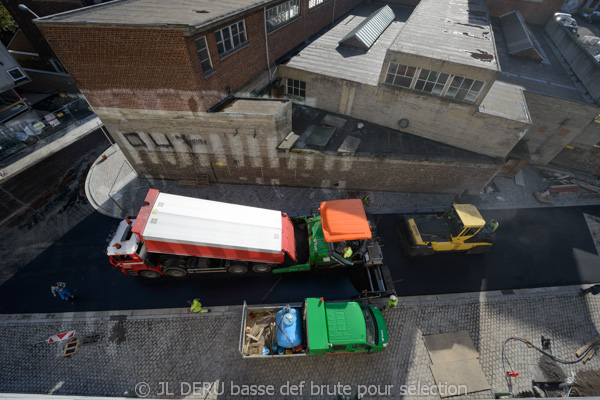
534	248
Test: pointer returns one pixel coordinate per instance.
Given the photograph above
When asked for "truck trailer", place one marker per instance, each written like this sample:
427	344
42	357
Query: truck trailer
315	327
178	236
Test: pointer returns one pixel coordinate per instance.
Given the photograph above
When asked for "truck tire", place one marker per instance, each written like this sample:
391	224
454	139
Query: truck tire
262	268
175	272
237	268
149	274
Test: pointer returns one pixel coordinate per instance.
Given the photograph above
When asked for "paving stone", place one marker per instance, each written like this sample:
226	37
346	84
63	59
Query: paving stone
181	351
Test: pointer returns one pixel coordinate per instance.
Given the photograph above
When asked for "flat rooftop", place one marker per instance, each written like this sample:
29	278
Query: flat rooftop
191	13
458	31
325	57
371	139
550	77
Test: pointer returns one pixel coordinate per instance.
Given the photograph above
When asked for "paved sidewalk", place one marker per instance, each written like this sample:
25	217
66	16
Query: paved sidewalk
47	147
171	346
114	189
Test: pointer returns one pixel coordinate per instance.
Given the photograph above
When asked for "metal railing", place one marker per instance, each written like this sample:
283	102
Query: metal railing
16	137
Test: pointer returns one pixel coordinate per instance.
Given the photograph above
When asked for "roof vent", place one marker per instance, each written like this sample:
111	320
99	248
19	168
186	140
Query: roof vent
368	31
201	11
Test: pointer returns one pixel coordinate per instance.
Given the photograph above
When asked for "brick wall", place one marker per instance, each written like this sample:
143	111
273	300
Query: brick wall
159	69
133	68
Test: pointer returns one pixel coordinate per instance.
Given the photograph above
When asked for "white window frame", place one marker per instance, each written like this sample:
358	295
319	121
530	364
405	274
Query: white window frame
468	90
316	3
22	77
281	14
293	87
436	82
201	47
227	41
394	74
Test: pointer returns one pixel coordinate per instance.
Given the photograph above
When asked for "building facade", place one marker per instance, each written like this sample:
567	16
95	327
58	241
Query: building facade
165	80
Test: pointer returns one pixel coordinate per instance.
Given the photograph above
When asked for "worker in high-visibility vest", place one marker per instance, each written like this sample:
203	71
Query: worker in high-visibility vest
392	302
348	252
492	225
196	307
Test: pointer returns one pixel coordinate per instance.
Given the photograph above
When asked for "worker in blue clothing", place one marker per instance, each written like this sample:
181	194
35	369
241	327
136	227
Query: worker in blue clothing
61	289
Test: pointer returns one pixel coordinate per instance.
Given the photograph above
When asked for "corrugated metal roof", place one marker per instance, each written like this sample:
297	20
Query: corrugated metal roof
324	56
457	31
368	31
518	36
200	222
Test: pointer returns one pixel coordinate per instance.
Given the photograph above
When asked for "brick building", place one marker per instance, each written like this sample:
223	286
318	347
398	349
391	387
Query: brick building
162	77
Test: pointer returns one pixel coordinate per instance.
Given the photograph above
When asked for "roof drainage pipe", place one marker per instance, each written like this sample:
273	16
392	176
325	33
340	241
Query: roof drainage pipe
267	45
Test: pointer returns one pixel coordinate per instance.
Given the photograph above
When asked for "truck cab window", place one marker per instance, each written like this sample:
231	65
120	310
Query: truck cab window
371	328
361	346
338	347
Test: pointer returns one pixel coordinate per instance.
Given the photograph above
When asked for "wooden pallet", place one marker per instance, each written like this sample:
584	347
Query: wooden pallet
71	348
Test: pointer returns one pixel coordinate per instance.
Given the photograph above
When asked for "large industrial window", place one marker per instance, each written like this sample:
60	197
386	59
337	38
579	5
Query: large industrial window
204	55
296	88
314	3
400	75
464	89
282	14
231	38
431	81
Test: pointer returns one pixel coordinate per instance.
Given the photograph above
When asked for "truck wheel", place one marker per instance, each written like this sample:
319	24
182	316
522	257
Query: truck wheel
149	274
262	268
176	272
238	268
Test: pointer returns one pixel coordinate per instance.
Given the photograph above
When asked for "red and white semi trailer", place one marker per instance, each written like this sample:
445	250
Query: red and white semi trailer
211	236
176	236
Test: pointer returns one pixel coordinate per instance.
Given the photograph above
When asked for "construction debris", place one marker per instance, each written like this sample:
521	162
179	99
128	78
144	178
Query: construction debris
260	332
71	348
587	345
561	182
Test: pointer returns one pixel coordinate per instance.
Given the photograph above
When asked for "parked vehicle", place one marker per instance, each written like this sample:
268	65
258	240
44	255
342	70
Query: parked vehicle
177	236
591	18
567	20
315	327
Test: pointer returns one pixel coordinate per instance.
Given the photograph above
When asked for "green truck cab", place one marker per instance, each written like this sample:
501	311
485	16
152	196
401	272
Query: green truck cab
322	328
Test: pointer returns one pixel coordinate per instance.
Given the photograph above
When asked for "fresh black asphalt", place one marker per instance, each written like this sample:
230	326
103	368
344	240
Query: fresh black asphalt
533	248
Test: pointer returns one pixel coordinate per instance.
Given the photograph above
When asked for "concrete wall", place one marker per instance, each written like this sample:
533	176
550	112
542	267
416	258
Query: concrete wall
430	116
481	74
558	123
230	148
580	60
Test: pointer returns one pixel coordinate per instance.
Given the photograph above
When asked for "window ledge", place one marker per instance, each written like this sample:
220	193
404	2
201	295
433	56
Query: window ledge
232	52
319	6
296	18
209	73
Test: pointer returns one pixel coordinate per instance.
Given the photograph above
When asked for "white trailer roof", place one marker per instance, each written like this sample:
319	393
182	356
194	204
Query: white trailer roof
200	222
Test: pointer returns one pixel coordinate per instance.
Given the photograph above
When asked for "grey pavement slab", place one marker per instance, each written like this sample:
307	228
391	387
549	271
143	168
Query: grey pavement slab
169	355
